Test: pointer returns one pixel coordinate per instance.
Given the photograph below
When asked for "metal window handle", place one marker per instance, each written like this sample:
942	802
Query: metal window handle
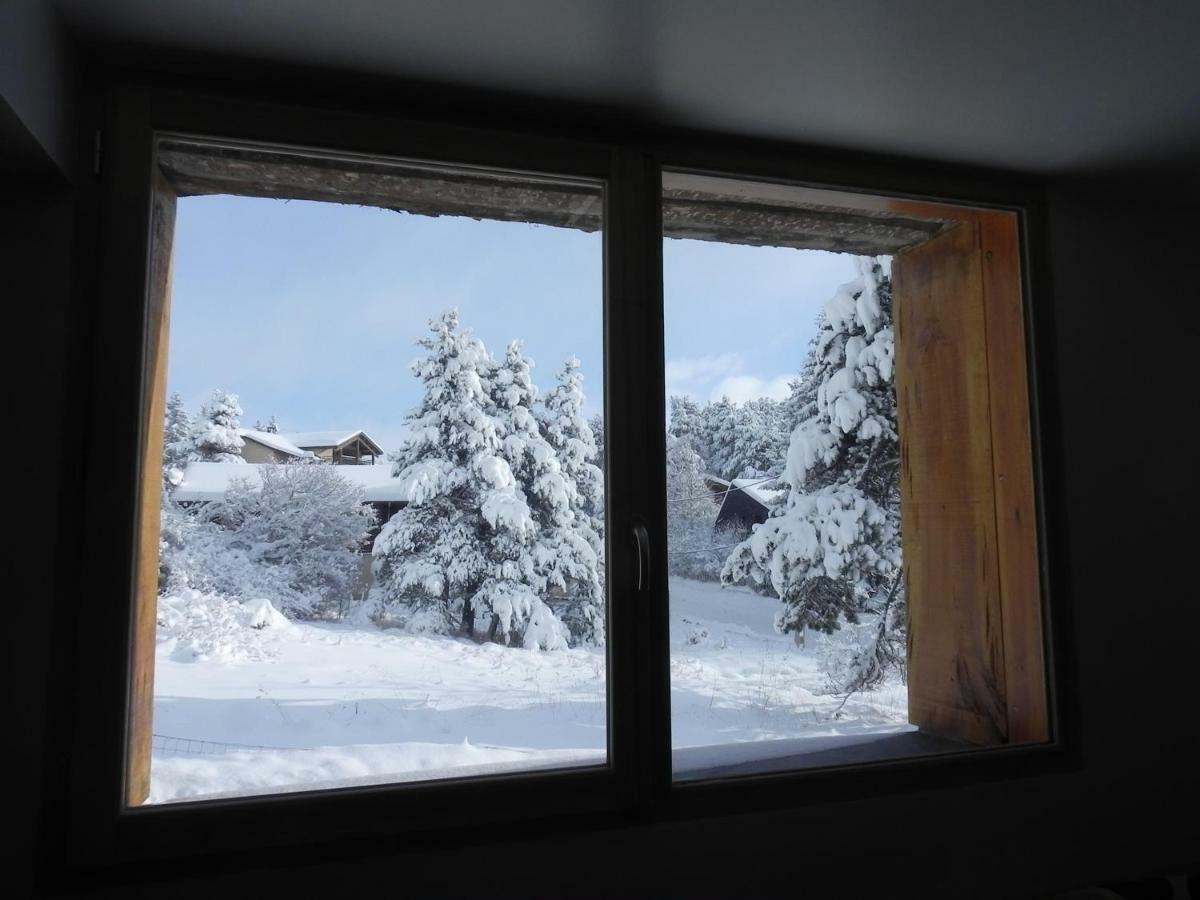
641	539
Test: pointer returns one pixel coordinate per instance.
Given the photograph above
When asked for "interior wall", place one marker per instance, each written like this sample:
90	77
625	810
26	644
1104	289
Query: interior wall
37	241
1123	298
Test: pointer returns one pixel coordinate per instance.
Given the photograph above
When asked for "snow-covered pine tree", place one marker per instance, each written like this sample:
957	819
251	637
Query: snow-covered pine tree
596	423
214	432
692	546
176	428
271	426
557	558
686	421
457	551
721	431
760	442
833	551
573	441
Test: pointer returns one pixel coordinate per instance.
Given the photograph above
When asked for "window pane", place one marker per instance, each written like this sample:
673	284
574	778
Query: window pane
381	550
790	388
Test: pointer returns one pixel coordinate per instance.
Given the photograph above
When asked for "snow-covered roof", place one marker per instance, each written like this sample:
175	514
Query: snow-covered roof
757	489
309	439
274	441
208	481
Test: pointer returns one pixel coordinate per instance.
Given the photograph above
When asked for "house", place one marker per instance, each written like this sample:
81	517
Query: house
269	447
342	448
745	502
1095	106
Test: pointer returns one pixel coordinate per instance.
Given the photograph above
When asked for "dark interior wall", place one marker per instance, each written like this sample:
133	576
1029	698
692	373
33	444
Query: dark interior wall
1124	303
37	80
37	219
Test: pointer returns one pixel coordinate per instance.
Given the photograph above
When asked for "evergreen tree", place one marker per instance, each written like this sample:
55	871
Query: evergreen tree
271	426
214	433
721	434
176	428
463	548
760	444
832	553
687	423
573	441
556	560
596	423
692	542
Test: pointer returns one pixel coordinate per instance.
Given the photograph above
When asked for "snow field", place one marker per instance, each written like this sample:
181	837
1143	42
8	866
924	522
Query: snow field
337	705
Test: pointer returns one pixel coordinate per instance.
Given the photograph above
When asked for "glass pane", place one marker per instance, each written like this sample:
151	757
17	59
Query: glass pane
838	366
381	555
786	597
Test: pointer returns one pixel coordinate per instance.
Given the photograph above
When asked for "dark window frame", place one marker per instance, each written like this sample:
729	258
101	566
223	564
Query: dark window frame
93	831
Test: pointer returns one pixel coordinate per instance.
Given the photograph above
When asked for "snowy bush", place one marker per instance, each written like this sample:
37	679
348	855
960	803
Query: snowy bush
297	541
203	626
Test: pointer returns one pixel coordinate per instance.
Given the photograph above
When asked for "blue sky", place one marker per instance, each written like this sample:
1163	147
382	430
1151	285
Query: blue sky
309	311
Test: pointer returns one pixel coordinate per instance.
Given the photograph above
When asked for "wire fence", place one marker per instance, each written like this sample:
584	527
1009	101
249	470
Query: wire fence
163	743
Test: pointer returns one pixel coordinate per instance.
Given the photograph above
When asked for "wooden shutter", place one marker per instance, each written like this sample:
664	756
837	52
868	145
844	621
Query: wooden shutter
154	393
975	662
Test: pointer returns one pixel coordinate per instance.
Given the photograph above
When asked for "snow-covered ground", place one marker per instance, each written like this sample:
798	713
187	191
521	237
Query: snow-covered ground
243	709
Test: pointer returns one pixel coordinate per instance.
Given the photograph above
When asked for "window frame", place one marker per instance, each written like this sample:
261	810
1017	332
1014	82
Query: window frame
93	831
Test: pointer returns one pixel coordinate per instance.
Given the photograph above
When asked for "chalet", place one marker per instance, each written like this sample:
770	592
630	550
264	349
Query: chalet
745	502
269	447
338	447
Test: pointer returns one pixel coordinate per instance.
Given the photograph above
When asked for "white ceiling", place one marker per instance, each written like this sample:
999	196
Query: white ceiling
1046	86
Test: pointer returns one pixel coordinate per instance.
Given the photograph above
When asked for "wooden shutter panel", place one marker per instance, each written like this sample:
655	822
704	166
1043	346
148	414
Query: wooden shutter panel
975	664
154	395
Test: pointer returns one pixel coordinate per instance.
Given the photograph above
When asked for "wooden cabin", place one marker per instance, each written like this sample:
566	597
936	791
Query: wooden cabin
341	448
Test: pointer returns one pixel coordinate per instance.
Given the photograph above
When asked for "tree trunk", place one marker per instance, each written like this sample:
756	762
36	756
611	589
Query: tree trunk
468	619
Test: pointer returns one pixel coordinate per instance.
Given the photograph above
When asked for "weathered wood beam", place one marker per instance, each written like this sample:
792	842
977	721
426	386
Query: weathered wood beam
706	215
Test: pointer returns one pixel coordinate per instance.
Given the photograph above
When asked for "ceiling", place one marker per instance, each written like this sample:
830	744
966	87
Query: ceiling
1049	87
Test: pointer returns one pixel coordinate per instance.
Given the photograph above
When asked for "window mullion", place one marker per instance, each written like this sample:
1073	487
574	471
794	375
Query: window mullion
636	416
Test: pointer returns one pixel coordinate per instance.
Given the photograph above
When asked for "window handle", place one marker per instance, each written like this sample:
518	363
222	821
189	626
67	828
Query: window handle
641	539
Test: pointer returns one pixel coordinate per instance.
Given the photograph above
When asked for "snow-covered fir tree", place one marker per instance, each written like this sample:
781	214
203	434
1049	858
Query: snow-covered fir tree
558	561
760	445
693	542
271	426
596	423
176	428
686	421
214	432
463	548
720	420
573	441
832	552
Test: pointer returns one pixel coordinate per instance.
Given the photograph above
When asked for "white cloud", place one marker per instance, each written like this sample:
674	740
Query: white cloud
740	388
693	375
715	376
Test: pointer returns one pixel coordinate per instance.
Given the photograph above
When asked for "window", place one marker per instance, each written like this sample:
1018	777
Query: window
971	639
847	391
326	616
